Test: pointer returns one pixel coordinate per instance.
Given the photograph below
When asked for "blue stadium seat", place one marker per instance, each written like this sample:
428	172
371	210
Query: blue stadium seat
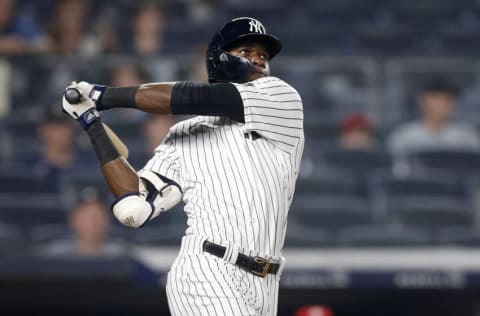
21	128
26	210
429	182
358	161
21	182
12	240
32	215
330	211
169	235
44	233
433	211
455	161
305	236
428	198
320	134
461	34
466	236
331	182
382	236
26	150
395	39
72	184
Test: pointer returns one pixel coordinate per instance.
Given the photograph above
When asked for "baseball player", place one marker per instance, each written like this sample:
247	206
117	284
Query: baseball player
234	165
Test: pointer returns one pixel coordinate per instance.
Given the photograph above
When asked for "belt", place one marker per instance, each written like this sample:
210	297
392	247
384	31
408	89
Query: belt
256	265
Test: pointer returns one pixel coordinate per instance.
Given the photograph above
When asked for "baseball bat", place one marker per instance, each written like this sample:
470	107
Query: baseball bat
73	96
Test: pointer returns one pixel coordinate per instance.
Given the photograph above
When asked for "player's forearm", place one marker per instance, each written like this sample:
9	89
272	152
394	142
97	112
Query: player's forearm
120	177
182	98
118	173
152	98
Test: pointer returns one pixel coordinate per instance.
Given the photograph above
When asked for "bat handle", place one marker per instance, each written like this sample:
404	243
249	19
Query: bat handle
73	95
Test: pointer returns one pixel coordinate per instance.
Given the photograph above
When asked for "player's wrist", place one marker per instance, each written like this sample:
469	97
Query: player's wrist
96	94
88	117
103	146
111	97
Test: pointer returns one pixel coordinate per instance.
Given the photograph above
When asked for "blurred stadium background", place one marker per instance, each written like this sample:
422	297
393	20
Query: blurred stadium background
368	234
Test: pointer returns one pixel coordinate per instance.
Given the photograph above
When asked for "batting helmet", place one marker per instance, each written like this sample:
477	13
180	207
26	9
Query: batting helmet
225	67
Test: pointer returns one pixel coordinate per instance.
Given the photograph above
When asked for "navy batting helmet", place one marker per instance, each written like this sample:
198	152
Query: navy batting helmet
225	67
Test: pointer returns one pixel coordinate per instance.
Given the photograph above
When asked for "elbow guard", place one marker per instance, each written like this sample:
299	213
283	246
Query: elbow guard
155	196
132	210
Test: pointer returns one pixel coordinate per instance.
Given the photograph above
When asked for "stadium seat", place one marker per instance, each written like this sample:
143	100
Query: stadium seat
330	211
12	240
304	236
467	236
358	161
333	181
168	235
41	234
456	161
382	236
12	181
432	211
320	135
72	184
428	182
27	216
26	210
395	38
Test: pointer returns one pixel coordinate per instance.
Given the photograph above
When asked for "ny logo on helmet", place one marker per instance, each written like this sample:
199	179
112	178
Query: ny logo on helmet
256	26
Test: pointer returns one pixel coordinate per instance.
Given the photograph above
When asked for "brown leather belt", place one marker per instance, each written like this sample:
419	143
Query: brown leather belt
256	265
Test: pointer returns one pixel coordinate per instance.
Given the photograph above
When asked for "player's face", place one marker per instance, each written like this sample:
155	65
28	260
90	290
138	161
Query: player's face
257	54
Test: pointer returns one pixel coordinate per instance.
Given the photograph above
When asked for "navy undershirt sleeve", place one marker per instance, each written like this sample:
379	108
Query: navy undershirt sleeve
218	99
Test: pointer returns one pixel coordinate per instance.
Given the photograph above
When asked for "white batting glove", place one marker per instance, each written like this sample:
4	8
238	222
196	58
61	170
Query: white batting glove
84	111
92	91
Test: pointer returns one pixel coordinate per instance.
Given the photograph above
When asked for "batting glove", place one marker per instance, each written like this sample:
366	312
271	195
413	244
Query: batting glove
93	91
84	112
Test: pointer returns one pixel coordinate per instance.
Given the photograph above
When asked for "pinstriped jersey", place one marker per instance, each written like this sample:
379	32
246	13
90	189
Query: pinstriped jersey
236	188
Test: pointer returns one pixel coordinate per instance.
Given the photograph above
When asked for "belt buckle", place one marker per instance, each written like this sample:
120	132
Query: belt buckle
265	268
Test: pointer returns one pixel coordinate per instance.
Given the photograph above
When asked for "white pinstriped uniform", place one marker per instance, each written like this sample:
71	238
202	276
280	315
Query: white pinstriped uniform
237	192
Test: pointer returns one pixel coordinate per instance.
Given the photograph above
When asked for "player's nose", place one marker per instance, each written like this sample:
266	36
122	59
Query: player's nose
257	60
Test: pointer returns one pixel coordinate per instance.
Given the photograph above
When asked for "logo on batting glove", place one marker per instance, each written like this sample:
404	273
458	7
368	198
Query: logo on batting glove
88	117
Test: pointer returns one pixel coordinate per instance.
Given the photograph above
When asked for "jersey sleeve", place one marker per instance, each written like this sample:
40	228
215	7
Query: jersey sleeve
165	161
273	109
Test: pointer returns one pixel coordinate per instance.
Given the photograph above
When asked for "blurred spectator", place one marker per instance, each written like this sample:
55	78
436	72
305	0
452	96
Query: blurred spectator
89	222
155	128
314	310
127	75
18	33
435	129
57	154
197	71
105	28
148	26
69	32
203	11
356	133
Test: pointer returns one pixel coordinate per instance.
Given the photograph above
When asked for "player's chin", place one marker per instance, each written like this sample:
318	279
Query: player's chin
256	75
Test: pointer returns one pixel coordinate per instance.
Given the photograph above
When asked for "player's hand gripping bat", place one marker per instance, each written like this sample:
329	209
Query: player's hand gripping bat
73	96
